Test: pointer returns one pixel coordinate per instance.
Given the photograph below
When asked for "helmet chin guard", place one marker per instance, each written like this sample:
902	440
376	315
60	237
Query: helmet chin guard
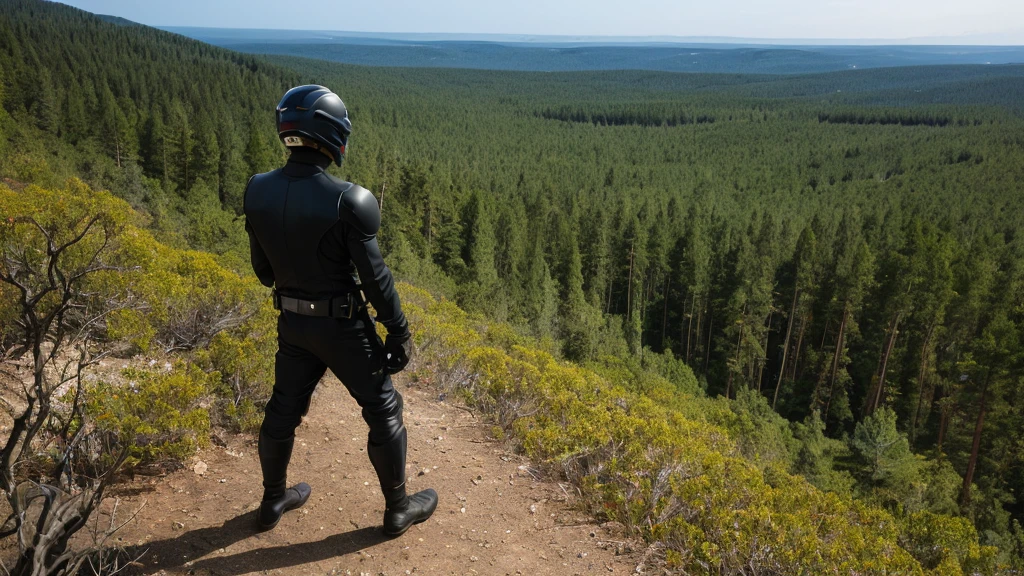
314	117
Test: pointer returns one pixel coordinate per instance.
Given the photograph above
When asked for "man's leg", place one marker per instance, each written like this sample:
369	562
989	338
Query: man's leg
296	374
386	446
358	363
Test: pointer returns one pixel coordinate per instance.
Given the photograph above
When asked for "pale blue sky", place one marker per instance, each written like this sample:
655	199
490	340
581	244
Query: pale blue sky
971	21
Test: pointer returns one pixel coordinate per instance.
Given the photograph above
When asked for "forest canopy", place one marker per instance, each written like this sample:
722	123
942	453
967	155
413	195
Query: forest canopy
839	255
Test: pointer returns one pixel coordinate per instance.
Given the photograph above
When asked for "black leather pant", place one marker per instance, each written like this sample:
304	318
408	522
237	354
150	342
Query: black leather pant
308	346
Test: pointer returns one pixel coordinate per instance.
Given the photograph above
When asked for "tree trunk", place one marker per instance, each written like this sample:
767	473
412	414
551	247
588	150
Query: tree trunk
921	374
943	424
785	346
840	344
184	156
707	351
767	334
689	327
824	333
641	302
795	364
611	289
965	499
664	317
739	349
629	284
880	389
430	230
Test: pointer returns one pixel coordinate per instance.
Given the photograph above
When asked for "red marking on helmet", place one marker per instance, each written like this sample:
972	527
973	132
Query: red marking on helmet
287	126
342	149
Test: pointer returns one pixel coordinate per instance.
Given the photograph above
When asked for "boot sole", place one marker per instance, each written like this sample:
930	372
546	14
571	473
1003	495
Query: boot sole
406	529
266	527
420	521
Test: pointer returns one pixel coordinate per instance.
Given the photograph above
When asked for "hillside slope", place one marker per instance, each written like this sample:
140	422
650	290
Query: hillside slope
703	480
172	124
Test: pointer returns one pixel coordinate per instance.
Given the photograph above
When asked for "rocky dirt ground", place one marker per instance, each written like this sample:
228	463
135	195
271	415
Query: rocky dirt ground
495	516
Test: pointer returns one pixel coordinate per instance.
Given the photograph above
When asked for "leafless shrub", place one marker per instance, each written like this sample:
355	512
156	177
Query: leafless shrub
48	263
196	325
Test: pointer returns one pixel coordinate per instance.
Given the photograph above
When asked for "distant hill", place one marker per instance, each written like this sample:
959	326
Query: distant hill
117	20
566	54
1009	38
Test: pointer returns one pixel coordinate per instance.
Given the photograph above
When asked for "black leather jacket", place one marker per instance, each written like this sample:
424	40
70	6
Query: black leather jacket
311	233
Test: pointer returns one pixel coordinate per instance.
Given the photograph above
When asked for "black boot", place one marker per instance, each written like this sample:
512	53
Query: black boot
400	511
274	457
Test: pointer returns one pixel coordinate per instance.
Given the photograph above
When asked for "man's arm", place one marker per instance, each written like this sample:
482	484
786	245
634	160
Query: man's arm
363	218
260	263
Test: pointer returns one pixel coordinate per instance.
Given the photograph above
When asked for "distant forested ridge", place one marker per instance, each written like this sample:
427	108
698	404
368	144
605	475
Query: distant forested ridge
841	253
563	55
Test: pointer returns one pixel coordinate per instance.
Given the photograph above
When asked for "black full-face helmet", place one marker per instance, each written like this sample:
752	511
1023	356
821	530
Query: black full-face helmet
314	117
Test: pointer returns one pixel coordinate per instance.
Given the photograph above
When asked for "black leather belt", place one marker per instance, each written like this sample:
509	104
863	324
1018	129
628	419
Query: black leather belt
344	306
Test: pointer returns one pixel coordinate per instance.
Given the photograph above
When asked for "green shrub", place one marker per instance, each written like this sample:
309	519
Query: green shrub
158	416
764	437
946	545
245	360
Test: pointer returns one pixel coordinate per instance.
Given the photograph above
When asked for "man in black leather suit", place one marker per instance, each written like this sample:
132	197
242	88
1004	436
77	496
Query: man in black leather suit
310	234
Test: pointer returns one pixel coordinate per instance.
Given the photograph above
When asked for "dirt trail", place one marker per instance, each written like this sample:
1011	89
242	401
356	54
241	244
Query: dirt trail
494	516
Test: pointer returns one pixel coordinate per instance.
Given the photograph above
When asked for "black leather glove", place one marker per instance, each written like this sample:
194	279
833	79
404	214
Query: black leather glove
398	348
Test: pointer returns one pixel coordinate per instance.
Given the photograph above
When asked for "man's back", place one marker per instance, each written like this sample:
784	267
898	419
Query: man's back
310	233
290	213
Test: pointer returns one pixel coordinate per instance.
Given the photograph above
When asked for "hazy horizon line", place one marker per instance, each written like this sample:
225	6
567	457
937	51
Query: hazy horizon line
981	40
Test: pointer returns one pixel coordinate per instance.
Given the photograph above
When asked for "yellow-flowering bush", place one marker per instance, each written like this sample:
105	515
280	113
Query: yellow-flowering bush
945	543
703	477
245	359
147	297
678	468
156	415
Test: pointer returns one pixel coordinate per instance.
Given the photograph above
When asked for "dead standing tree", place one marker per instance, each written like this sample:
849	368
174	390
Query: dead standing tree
57	264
